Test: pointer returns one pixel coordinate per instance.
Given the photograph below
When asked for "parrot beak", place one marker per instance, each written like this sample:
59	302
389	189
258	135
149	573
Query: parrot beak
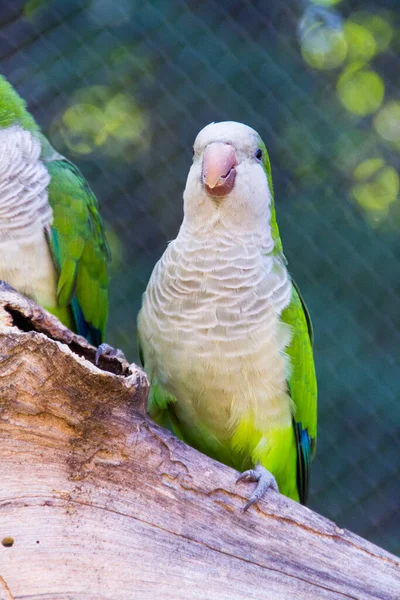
219	162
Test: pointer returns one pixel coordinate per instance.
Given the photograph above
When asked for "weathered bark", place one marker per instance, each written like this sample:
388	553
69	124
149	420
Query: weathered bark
97	502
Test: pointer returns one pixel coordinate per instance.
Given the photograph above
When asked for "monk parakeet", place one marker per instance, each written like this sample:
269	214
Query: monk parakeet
52	243
224	334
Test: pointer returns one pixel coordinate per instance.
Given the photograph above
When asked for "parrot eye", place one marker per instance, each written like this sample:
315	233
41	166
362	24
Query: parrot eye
193	152
259	154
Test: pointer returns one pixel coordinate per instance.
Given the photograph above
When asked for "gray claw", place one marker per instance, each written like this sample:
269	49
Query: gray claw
109	351
264	479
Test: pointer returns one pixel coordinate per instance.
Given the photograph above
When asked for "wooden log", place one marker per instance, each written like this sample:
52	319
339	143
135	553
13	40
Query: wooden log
98	502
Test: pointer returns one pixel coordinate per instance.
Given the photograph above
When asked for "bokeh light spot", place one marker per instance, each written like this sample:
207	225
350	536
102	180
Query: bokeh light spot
387	121
81	128
360	42
360	90
378	192
99	118
323	47
378	26
326	2
367	168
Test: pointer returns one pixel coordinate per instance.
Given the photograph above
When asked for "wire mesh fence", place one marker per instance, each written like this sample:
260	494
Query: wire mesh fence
123	86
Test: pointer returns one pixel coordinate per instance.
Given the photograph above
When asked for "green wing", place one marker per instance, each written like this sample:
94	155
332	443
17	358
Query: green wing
78	245
303	387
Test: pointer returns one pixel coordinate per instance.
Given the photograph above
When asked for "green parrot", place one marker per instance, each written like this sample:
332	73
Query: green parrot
224	335
52	243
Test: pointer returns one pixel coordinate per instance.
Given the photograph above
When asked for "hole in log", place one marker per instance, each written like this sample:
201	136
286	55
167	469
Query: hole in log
110	364
20	321
7	542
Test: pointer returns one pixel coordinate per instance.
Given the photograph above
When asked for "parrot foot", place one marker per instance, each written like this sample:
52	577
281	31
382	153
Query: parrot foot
264	479
109	351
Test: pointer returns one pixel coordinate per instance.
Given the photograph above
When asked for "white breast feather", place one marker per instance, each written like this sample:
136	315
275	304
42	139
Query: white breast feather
25	216
212	334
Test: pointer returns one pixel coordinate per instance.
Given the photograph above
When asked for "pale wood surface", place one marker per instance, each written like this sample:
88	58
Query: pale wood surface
103	504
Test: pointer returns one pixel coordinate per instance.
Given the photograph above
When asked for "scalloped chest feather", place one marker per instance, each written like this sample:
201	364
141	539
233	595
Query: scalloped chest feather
210	325
25	216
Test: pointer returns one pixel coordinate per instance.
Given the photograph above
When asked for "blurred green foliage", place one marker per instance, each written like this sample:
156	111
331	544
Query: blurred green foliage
99	117
123	86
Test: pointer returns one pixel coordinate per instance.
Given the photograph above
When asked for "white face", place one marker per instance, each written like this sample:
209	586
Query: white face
227	184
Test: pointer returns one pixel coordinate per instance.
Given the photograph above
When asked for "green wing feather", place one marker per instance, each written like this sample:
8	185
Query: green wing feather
303	387
302	382
78	245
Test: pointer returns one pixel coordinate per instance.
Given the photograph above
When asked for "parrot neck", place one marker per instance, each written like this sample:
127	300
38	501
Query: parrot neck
216	230
232	262
25	212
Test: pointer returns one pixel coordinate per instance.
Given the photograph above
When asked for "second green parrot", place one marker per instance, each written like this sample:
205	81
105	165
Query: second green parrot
52	243
224	334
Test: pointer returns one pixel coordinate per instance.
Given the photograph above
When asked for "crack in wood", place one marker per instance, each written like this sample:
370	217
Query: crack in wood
6	589
231	494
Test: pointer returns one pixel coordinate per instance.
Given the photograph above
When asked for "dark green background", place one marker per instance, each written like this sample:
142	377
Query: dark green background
177	65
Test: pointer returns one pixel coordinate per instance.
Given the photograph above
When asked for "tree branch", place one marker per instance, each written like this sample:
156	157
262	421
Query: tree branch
98	502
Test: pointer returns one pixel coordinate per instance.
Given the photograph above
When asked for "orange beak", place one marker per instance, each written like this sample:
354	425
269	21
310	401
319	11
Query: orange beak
219	162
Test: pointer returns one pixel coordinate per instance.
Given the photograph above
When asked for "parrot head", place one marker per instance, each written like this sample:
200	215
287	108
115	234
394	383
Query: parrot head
13	108
230	183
